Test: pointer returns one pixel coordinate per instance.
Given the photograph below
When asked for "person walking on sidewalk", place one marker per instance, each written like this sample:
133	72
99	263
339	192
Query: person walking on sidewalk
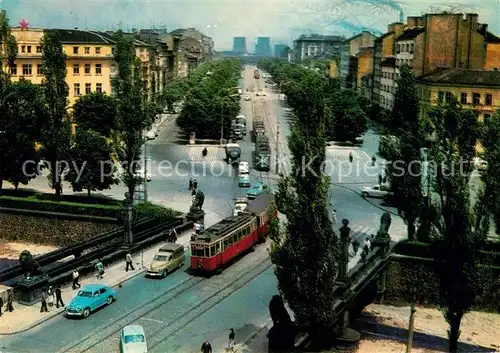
206	347
75	279
44	308
1	305
100	269
50	296
10	306
230	344
128	261
334	217
195	184
59	296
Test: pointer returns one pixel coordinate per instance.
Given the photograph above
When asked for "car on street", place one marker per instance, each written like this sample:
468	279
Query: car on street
376	191
133	339
240	205
243	168
90	298
258	189
140	173
261	94
244	181
169	257
247	98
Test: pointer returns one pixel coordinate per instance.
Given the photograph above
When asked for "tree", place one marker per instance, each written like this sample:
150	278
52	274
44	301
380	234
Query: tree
173	93
96	111
57	132
134	112
24	107
91	166
304	250
404	171
462	231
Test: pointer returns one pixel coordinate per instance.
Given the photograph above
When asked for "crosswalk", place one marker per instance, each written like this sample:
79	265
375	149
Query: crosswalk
214	153
342	154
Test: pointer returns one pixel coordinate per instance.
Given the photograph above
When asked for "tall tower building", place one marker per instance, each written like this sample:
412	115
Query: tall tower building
263	46
240	45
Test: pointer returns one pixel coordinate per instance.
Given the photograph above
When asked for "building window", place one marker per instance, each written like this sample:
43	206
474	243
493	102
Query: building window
98	87
39	69
98	50
27	69
488	100
87	69
448	97
486	118
13	70
76	89
98	69
87	50
88	88
76	69
411	48
440	96
38	49
476	98
29	48
75	50
463	98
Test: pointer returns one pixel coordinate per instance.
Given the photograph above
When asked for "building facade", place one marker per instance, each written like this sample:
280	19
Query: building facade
364	66
388	84
263	46
240	45
280	50
89	60
313	45
352	47
478	90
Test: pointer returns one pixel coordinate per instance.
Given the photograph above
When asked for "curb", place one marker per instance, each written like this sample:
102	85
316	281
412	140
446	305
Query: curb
60	311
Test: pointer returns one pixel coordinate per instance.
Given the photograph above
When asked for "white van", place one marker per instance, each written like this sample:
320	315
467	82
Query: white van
243	168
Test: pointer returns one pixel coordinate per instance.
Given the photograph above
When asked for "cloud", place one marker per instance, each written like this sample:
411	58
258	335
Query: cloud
223	19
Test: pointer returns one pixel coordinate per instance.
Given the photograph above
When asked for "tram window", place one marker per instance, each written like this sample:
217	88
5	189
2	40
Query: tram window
226	243
197	252
207	252
212	250
218	246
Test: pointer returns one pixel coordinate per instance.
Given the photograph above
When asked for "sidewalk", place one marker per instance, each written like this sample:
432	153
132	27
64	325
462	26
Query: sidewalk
25	317
257	342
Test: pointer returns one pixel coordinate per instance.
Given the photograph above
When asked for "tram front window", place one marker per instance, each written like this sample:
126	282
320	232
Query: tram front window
197	251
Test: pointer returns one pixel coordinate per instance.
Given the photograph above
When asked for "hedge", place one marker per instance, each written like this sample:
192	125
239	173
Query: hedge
34	203
148	209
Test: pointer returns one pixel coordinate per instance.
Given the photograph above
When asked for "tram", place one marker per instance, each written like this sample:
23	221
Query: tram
223	242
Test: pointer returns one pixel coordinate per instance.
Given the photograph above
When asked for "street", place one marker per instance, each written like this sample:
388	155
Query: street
178	313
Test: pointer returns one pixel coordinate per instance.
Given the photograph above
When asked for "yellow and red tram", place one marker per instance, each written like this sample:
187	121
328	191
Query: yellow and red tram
231	237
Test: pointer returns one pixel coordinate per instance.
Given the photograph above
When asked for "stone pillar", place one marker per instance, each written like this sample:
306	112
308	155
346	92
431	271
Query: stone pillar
342	277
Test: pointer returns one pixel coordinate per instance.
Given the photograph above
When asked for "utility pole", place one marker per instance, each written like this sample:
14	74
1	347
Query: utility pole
410	328
277	147
145	177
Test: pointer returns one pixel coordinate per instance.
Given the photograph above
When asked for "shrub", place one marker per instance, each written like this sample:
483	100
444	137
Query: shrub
148	209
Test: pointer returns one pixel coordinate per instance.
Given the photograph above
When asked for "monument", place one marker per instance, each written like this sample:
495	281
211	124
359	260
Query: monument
382	238
196	213
281	336
34	281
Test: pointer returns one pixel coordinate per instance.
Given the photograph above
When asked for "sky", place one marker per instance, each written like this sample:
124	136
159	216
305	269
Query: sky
282	20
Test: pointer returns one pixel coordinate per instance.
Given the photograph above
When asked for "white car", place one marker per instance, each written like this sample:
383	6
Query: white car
243	168
247	98
261	94
140	173
376	191
133	340
240	205
150	135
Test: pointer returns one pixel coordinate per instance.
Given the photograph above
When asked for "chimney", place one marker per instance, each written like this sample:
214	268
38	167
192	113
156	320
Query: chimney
411	21
394	27
472	17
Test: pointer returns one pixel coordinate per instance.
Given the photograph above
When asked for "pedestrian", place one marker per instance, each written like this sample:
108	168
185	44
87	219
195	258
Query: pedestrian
195	184
374	159
384	180
197	228
50	296
367	245
100	269
193	194
206	347
59	296
190	183
10	306
350	157
230	344
1	305
44	303
128	261
172	235
380	179
334	216
76	275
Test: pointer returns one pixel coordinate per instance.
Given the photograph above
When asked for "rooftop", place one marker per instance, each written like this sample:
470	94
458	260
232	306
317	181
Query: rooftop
77	36
364	51
359	35
411	33
319	38
385	35
459	76
490	38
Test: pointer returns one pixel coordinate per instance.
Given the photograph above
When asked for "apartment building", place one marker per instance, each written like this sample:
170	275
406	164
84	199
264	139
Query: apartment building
388	83
89	59
348	57
313	45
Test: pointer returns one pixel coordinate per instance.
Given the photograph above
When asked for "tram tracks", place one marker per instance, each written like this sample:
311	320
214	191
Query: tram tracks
176	316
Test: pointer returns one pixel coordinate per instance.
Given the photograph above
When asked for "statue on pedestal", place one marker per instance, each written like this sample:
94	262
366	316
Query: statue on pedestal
196	212
28	265
385	224
281	335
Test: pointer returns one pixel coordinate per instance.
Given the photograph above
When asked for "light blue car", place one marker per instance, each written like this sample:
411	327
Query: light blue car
258	189
89	299
244	181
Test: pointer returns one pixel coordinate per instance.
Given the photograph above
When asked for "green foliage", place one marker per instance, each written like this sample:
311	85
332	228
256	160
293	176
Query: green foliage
462	232
90	164
150	210
8	48
210	104
304	250
97	112
174	93
348	119
57	132
404	173
135	113
21	123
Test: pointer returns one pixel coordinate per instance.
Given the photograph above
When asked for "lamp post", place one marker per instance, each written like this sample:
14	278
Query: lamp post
145	176
129	237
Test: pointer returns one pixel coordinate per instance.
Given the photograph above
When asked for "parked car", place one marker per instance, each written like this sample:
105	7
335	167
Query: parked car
247	98
133	339
243	168
90	298
169	257
240	205
258	189
261	94
244	181
376	191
